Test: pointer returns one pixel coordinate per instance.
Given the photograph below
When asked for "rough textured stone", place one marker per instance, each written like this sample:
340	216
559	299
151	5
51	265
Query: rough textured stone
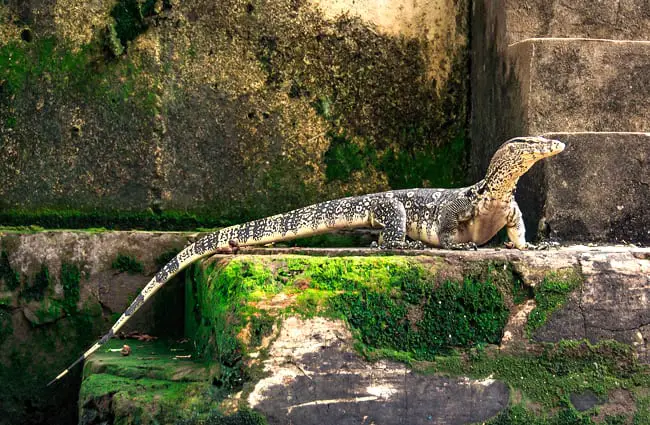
612	303
44	328
315	378
570	85
610	19
598	189
228	111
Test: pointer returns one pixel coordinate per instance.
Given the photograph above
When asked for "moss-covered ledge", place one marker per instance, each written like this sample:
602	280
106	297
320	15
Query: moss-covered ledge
297	324
454	320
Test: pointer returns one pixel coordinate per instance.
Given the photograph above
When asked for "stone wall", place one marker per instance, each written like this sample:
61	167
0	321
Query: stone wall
224	111
577	73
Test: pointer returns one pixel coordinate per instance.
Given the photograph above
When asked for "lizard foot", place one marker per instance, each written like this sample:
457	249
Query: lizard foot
463	246
542	246
399	245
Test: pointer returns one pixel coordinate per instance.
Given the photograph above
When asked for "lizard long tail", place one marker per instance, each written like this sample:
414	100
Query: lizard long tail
311	220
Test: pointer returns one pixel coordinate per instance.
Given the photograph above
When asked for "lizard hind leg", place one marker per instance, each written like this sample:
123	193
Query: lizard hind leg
390	214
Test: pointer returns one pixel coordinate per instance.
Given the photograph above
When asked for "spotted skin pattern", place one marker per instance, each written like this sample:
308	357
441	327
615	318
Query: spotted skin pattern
409	219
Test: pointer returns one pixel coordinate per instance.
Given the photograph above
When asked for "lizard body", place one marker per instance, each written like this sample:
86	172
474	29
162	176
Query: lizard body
449	218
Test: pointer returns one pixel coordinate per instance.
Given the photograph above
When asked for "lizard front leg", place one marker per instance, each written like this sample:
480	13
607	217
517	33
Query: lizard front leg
515	227
517	231
454	213
390	214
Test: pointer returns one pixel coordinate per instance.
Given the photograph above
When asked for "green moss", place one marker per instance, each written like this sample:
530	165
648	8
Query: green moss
331	240
550	295
560	370
82	74
520	415
427	166
7	274
242	417
344	157
127	264
148	401
112	41
40	283
418	317
161	363
261	326
109	220
70	278
642	415
392	303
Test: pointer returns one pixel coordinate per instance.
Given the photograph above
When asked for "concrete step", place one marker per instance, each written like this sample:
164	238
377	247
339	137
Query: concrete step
611	19
598	189
575	85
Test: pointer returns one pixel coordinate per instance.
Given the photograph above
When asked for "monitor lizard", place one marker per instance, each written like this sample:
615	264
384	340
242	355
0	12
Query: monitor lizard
459	218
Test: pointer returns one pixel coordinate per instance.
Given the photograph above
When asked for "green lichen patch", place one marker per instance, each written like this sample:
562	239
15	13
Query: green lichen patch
548	378
520	415
550	295
127	264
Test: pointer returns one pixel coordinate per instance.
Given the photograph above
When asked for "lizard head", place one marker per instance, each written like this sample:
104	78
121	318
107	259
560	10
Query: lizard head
514	158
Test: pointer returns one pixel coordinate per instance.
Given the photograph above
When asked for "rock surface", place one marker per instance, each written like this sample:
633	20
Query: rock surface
58	294
316	378
574	85
598	189
605	19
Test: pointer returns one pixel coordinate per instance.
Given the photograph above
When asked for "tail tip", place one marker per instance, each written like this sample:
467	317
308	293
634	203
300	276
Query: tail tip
61	375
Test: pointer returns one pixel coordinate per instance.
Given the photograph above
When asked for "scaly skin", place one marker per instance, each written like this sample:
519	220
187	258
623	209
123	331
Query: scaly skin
447	218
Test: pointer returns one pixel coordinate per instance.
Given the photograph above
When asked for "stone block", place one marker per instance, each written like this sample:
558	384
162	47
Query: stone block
574	85
598	189
607	19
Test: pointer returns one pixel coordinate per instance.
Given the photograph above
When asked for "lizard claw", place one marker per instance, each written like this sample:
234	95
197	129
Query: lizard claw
542	245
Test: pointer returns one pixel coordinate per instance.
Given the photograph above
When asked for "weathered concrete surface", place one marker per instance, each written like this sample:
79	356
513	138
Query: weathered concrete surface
232	110
316	378
94	254
610	19
598	189
612	303
571	85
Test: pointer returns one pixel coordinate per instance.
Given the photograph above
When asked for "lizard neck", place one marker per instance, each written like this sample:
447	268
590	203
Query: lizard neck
501	180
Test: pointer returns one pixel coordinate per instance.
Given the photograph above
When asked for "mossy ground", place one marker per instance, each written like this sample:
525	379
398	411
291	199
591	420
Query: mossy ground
156	383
